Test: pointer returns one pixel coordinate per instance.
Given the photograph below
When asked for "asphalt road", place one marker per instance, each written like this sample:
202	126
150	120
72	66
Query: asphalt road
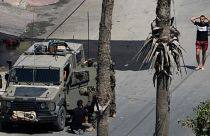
135	91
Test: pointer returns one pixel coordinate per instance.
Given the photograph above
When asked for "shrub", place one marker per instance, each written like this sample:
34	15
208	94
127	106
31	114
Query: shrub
200	122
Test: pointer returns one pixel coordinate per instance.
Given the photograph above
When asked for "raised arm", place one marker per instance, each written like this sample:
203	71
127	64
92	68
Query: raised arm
207	19
194	18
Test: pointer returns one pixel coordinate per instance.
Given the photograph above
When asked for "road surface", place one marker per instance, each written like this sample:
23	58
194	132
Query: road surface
135	91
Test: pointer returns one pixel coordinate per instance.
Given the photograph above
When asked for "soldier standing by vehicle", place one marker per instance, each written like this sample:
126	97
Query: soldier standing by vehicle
92	100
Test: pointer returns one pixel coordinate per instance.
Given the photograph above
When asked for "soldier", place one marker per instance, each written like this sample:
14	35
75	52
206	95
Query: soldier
113	84
91	93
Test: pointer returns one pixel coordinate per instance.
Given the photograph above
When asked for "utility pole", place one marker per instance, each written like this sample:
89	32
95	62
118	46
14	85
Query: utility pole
163	97
104	60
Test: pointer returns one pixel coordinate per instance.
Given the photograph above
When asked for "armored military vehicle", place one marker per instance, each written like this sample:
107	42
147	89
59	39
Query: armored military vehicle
45	83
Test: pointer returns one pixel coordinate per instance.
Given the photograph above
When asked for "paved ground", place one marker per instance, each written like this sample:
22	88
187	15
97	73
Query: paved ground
41	2
14	20
135	91
25	3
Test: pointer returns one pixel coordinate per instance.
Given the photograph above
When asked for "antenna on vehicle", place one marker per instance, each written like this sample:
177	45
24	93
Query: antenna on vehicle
74	52
88	33
32	31
34	47
73	43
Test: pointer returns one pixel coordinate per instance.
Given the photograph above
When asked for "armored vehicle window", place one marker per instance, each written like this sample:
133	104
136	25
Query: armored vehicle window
79	56
66	72
80	78
36	75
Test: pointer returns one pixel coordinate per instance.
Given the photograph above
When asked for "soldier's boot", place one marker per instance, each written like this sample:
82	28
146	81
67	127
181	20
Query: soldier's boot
90	129
86	124
113	115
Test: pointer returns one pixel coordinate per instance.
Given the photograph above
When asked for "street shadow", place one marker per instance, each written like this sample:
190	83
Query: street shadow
29	129
189	67
5	36
122	52
37	129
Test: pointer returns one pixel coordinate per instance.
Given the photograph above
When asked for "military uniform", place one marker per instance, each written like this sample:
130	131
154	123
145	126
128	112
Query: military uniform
91	93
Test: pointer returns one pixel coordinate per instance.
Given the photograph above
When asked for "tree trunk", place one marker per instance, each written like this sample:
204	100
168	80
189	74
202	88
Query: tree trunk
163	18
162	106
104	60
163	99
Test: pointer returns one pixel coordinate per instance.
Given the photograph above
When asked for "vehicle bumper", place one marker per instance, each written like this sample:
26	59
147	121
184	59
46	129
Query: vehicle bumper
4	117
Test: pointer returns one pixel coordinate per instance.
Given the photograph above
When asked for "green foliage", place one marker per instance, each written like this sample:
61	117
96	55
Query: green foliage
200	122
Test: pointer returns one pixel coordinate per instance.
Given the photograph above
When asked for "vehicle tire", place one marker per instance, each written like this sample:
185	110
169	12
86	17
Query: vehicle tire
61	119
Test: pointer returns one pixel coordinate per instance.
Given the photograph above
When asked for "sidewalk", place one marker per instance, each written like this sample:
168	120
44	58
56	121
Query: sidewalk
14	20
41	2
25	3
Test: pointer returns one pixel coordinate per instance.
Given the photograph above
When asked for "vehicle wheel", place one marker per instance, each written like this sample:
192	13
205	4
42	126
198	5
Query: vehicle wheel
61	119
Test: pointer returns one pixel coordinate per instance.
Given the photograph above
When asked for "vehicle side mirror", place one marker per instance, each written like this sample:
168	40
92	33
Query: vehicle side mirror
9	62
1	82
80	78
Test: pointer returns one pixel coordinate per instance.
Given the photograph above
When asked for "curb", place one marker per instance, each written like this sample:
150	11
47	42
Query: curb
41	2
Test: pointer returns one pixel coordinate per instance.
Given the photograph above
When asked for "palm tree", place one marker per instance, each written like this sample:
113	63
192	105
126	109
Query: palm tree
163	52
104	60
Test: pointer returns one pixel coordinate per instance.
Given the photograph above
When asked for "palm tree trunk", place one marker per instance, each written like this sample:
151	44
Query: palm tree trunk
104	60
163	99
163	18
162	106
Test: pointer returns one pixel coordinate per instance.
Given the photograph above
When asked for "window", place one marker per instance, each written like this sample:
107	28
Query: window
35	75
79	56
66	72
79	78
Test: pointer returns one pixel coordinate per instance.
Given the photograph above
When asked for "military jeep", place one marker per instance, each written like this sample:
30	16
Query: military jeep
45	83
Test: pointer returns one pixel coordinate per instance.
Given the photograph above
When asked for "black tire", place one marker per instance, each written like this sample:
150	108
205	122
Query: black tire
61	119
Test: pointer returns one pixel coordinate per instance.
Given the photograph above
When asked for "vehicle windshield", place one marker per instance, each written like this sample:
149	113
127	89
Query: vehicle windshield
35	75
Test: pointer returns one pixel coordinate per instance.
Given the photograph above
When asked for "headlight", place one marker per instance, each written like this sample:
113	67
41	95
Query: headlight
52	106
9	104
43	106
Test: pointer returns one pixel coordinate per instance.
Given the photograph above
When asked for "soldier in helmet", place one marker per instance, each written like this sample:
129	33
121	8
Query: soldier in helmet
91	93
